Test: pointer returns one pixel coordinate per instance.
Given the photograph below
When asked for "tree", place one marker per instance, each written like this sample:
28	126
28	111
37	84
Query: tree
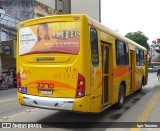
139	38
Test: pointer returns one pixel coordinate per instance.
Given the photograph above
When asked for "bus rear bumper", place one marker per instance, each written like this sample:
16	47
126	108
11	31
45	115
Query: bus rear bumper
49	103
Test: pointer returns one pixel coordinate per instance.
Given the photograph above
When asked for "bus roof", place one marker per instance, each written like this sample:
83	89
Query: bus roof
111	32
91	21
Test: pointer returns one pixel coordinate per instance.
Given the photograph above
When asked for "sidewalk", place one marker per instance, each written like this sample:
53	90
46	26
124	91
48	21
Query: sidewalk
146	110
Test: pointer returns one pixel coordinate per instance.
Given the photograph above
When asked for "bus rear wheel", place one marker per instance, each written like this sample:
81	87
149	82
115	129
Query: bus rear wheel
121	98
142	83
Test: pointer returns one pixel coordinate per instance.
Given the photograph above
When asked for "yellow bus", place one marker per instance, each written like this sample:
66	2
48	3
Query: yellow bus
88	72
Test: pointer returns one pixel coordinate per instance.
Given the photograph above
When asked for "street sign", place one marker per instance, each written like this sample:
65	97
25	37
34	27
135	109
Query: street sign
24	89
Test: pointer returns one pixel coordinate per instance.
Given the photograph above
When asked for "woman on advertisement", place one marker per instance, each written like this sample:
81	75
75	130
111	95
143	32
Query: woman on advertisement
43	42
43	33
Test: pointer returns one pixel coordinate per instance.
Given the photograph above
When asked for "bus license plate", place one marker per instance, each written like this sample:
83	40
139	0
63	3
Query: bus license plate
46	92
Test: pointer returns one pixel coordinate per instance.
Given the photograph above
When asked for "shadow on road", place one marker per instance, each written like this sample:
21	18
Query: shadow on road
64	119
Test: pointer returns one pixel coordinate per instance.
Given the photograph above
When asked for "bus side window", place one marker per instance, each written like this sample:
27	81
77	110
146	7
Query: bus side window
142	57
94	47
121	53
137	57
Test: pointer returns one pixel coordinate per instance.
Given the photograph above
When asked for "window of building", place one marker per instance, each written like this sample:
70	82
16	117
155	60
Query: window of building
3	36
60	11
94	47
39	15
46	9
121	53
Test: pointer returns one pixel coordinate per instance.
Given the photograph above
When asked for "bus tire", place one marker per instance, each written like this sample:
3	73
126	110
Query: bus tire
140	89
142	83
121	97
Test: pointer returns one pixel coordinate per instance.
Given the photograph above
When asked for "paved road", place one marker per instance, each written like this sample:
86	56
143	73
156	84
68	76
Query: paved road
9	103
152	81
10	110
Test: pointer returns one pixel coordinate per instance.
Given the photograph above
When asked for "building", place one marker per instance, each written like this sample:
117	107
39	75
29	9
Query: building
8	32
11	13
44	8
63	6
8	26
19	9
14	11
28	9
154	54
90	7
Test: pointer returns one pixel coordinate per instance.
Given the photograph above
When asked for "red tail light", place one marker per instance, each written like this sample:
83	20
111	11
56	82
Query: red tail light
80	92
19	86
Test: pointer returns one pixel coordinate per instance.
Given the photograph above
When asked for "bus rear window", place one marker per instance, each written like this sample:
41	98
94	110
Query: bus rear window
60	37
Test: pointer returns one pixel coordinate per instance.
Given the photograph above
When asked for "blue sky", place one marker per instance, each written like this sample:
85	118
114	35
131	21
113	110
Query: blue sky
132	15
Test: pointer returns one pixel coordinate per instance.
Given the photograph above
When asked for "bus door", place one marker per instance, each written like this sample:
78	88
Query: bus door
105	72
132	68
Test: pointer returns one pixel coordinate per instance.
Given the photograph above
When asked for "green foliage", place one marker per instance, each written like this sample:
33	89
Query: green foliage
139	38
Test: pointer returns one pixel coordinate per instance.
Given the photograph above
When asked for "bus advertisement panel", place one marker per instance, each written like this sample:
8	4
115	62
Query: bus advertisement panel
61	37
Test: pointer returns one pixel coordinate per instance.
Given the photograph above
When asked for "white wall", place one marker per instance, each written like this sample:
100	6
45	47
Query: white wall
89	7
2	11
3	36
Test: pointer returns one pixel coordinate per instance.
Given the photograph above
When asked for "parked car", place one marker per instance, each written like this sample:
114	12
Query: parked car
151	69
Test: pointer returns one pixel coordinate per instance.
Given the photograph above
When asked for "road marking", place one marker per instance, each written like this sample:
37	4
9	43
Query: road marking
8	100
4	118
21	113
143	117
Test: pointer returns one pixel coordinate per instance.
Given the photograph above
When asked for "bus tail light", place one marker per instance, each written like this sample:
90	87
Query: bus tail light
19	86
80	91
